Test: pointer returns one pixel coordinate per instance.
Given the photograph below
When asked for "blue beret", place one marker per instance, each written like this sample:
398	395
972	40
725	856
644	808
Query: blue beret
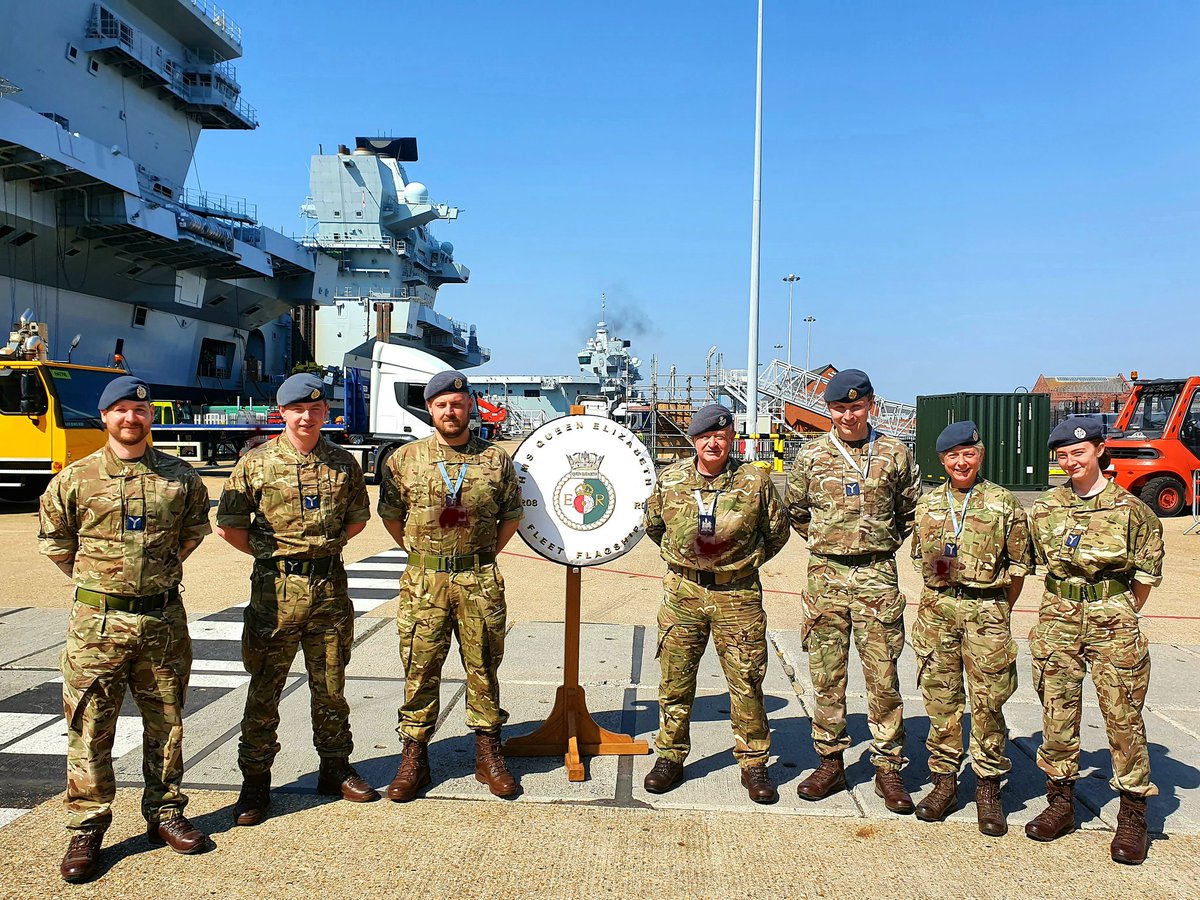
302	388
1074	430
847	386
957	434
713	417
125	387
447	382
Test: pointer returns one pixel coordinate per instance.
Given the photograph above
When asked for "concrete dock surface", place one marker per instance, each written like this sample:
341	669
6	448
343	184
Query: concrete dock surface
604	836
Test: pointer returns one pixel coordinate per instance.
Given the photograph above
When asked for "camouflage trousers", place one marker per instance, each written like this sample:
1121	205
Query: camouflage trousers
865	601
1070	637
105	651
734	615
433	606
952	634
287	613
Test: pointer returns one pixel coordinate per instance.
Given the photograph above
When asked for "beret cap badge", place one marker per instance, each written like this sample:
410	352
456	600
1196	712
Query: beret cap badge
1080	433
852	393
975	435
141	392
458	383
316	394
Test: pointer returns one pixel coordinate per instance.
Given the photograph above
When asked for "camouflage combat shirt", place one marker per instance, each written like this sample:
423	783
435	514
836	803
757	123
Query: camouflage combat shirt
1114	535
992	546
414	492
750	524
841	511
124	521
294	505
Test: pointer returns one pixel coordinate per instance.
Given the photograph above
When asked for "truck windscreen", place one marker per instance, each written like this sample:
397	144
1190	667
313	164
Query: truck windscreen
78	393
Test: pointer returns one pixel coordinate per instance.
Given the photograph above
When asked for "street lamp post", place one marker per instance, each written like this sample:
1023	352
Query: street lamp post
752	354
791	281
808	320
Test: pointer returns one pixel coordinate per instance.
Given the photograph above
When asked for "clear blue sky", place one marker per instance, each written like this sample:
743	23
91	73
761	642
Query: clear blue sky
972	193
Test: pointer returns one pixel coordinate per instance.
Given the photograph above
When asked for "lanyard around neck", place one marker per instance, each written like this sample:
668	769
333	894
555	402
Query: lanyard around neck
452	488
954	519
865	470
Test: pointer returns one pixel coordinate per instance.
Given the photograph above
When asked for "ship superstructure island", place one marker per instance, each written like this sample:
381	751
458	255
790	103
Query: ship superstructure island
101	108
376	222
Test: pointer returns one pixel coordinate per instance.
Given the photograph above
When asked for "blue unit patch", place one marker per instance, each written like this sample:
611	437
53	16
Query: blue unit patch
853	489
312	501
135	523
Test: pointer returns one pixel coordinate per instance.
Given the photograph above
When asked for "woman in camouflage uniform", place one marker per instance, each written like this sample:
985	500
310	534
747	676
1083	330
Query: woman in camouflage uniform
1102	549
971	545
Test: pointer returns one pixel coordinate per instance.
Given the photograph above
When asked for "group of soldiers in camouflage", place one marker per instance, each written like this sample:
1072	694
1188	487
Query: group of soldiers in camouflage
855	496
121	522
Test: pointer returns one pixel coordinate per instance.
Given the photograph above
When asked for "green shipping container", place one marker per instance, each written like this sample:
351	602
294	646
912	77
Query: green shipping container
1014	428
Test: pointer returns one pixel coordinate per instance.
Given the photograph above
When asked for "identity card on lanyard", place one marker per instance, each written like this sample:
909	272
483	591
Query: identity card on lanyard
854	488
706	522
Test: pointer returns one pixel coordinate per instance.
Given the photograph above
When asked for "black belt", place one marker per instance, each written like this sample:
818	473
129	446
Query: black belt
141	606
708	579
321	566
1099	590
976	593
858	559
451	563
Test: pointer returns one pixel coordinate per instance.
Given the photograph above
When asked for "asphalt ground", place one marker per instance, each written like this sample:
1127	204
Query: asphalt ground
605	836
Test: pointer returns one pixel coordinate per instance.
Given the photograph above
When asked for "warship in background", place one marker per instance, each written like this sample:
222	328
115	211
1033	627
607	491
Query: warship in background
608	372
374	221
102	108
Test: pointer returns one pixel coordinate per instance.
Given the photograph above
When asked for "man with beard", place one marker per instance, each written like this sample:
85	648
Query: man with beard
452	501
120	523
852	494
293	504
716	524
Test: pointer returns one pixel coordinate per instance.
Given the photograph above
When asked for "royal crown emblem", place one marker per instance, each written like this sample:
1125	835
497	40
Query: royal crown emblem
583	497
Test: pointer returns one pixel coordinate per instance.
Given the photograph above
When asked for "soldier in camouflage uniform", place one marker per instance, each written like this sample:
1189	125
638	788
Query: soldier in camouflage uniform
1102	549
120	523
452	501
971	546
292	504
716	524
851	494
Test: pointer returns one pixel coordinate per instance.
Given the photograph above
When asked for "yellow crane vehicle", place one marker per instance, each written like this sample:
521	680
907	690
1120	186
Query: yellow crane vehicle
48	411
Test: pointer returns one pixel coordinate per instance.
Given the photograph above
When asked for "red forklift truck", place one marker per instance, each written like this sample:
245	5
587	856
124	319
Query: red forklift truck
1155	444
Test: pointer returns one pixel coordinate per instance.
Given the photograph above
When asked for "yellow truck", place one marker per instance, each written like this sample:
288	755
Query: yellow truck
48	413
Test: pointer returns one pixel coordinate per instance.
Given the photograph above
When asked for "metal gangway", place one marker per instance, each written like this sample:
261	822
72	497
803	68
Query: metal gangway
780	383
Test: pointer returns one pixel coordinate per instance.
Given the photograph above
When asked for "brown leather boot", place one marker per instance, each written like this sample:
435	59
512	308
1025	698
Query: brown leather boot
338	779
890	786
828	778
1130	843
413	773
252	802
82	859
758	784
941	800
664	776
490	768
1058	818
177	833
989	807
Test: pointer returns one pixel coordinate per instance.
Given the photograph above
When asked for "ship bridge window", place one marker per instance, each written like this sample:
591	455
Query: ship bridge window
532	392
